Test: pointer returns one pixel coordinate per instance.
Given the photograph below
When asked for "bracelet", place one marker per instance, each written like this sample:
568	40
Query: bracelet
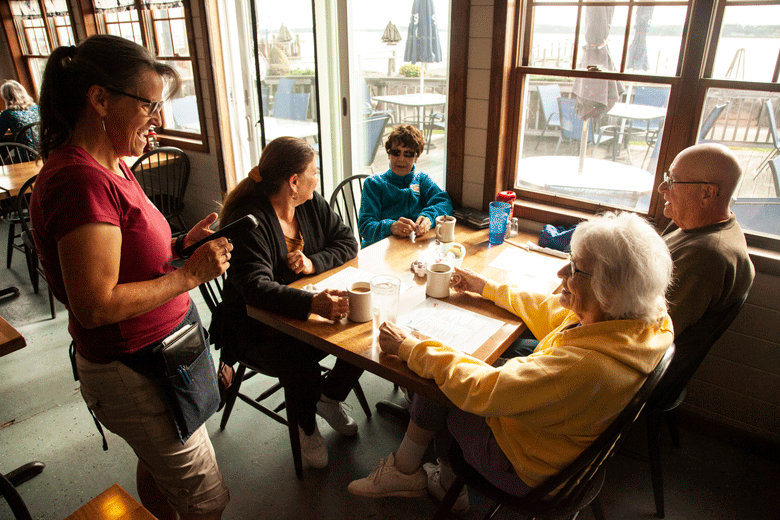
178	246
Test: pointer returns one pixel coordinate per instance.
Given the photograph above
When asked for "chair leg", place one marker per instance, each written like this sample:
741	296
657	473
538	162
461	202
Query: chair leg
230	400
597	509
654	452
674	432
361	397
449	499
10	250
295	440
51	301
32	265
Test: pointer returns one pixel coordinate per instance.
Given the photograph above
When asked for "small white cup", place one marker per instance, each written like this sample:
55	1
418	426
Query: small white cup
359	302
438	284
445	228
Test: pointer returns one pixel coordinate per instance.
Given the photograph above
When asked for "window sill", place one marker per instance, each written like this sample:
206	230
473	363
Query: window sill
195	145
765	260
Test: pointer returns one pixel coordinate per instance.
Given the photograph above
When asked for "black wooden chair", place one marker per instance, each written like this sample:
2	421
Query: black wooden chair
573	488
14	153
345	201
163	174
212	294
30	251
693	344
29	135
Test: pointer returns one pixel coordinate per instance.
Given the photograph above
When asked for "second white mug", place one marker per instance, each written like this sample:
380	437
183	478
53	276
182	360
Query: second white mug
445	228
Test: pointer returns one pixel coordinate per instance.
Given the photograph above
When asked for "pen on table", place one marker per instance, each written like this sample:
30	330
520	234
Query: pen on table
547	251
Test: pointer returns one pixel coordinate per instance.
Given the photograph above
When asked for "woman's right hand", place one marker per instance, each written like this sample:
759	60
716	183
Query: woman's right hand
331	304
403	227
209	260
468	281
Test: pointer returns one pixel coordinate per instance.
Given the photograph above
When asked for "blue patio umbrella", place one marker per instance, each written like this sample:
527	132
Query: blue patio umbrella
637	50
422	41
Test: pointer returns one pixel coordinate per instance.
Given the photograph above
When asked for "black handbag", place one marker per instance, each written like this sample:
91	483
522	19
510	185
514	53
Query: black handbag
190	378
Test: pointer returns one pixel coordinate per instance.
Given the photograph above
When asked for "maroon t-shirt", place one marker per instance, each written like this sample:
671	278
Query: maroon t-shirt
72	190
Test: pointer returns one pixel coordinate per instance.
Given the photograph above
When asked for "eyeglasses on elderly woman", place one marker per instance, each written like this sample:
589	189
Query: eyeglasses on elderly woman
152	107
574	269
397	153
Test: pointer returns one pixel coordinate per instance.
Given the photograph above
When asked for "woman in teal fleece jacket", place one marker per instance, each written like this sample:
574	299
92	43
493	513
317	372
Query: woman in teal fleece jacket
401	200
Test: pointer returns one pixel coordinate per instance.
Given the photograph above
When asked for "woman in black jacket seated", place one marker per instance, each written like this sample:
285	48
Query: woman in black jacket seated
298	235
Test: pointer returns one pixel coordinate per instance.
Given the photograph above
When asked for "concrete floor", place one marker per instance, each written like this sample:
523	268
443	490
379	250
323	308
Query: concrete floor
42	417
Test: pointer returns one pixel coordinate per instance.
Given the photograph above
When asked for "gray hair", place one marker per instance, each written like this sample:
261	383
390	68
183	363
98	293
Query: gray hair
631	265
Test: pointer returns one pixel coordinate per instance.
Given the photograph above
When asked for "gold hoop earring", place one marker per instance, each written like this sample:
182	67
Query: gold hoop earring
295	196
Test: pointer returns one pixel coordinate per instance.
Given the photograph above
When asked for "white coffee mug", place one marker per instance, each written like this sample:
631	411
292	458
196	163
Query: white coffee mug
445	228
439	276
359	302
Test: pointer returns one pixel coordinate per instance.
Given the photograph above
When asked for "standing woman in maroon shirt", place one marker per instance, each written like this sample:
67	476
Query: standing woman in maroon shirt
107	254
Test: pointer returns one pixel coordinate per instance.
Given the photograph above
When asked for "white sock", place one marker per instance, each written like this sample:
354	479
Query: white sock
409	455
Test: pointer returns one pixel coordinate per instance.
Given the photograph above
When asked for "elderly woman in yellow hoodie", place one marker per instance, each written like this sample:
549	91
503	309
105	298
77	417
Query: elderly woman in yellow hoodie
524	419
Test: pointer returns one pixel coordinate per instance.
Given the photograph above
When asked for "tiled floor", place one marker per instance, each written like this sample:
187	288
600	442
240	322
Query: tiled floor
43	418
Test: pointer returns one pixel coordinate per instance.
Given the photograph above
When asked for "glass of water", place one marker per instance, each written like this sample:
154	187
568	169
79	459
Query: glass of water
385	292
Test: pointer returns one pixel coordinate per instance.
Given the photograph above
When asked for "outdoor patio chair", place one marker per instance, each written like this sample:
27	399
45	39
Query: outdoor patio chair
709	122
652	96
574	487
548	99
571	127
373	130
774	165
435	122
292	106
775	141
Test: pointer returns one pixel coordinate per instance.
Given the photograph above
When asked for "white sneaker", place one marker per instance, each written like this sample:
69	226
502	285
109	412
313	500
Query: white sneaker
334	412
435	488
387	481
313	448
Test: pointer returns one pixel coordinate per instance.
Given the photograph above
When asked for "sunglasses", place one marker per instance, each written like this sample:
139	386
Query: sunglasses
152	107
397	153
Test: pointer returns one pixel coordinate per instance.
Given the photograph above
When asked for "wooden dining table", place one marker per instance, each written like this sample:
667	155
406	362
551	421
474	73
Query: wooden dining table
356	342
12	176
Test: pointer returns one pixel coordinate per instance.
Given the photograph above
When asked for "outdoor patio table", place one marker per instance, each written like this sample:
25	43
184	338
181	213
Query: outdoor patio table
421	102
276	127
628	112
559	173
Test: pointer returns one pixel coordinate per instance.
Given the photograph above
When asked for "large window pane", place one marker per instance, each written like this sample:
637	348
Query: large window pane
181	112
749	43
574	146
746	122
400	61
286	46
655	39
